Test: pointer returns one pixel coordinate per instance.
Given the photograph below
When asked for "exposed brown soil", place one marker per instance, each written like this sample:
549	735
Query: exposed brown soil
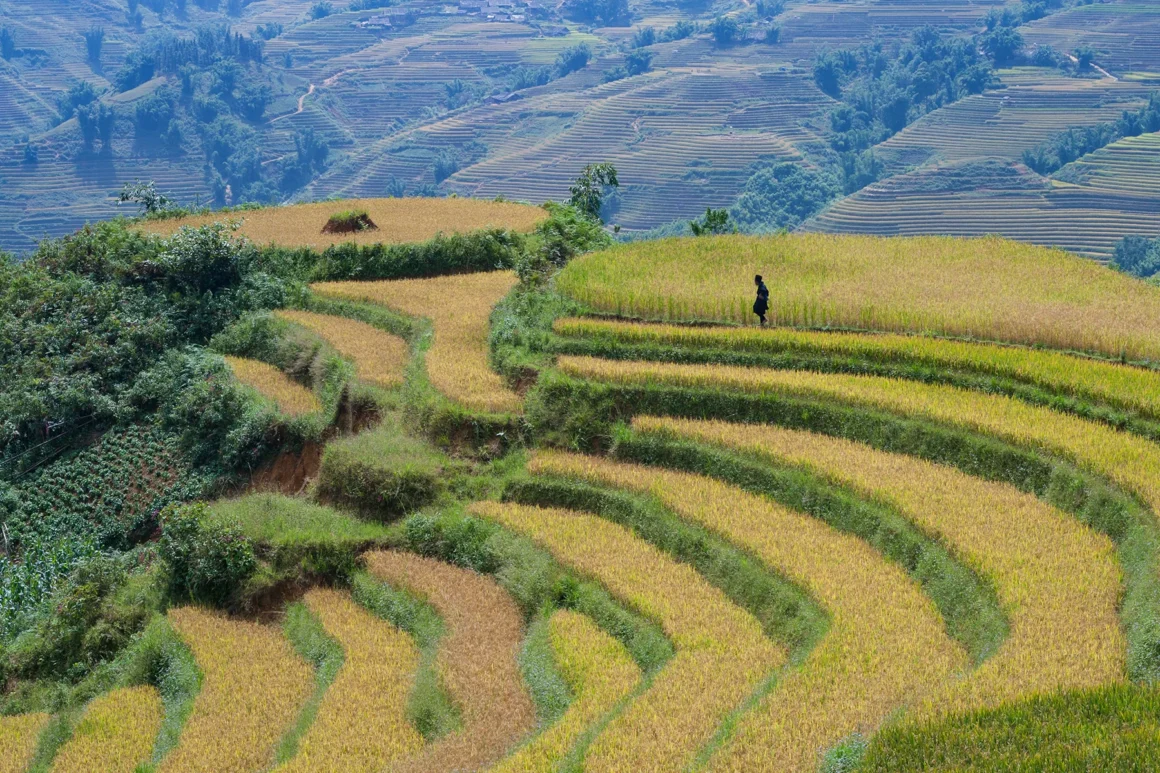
290	471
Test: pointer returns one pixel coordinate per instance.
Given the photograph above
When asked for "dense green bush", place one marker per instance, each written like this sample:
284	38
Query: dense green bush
207	561
382	473
445	254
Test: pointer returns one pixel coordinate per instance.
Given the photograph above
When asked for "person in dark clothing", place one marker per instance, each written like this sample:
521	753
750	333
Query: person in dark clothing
761	305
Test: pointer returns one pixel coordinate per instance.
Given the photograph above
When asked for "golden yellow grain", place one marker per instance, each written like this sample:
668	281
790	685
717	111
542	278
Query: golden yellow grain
886	647
116	733
378	356
362	722
459	307
1124	458
477	660
600	673
398	220
292	398
1122	385
1059	582
18	738
988	288
253	689
721	655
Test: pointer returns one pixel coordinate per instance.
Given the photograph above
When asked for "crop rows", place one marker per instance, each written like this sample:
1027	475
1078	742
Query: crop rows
1128	387
18	739
362	720
252	691
476	661
987	288
398	220
722	654
1126	459
599	672
886	646
379	357
1059	582
458	307
292	398
115	735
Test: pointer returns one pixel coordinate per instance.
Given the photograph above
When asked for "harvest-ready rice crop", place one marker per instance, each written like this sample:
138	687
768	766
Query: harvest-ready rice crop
1121	385
1059	581
292	398
18	738
721	656
988	288
598	671
379	357
115	734
1124	458
458	306
477	660
362	722
253	688
398	220
886	646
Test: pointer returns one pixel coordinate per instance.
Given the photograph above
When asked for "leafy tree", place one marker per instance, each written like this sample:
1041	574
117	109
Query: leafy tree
146	195
714	221
80	95
155	112
591	187
726	30
31	153
679	31
94	42
446	164
270	30
572	59
781	195
828	75
252	100
767	9
859	170
638	62
1003	45
205	562
97	121
1138	256
1084	55
321	10
773	35
644	37
612	13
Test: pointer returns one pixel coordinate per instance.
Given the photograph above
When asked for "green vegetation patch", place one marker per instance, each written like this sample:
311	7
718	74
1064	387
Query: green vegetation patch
349	221
313	644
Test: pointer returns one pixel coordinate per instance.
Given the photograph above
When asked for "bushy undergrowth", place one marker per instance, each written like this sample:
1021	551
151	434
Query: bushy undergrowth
207	560
313	644
450	254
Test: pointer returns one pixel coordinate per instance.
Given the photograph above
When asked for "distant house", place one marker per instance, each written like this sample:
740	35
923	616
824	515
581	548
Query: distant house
390	19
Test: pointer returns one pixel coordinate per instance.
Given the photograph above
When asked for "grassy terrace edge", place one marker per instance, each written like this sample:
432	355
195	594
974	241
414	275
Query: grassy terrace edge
579	414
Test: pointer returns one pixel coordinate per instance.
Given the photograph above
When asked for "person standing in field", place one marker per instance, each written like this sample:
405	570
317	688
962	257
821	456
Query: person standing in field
761	305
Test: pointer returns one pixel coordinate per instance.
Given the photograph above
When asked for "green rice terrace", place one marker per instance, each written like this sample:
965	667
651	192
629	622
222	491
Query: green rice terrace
464	504
876	117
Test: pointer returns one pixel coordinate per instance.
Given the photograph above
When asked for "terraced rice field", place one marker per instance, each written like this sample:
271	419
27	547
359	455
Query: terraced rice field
379	357
458	307
476	662
599	672
1065	634
1131	165
18	739
988	288
362	721
886	647
1123	386
722	654
115	734
292	398
252	691
397	221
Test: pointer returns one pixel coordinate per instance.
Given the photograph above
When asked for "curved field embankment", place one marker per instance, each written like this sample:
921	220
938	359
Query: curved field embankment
477	660
459	307
379	357
886	647
1059	581
292	398
722	655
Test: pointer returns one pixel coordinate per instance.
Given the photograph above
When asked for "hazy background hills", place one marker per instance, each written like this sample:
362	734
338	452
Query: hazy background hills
1027	119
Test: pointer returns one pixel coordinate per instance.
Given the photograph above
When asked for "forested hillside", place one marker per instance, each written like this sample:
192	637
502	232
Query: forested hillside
879	116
